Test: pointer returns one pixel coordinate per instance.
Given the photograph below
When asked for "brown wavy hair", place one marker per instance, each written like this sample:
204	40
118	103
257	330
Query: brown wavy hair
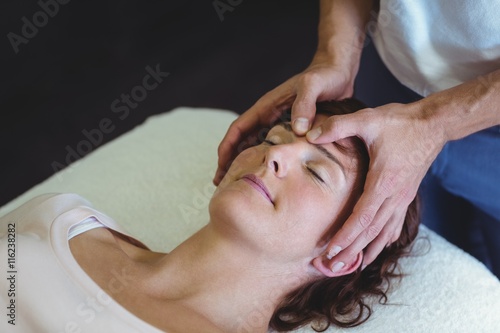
345	301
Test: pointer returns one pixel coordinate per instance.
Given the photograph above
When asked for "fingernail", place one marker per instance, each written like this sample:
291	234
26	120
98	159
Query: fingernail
333	252
337	266
301	125
314	134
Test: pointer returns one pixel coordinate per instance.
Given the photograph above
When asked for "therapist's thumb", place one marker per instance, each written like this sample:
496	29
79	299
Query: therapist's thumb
336	128
303	111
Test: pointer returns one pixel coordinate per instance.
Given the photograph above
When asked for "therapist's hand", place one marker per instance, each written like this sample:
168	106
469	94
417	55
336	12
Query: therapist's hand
402	141
322	80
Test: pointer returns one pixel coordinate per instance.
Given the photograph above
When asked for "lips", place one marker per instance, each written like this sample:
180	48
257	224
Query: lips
256	183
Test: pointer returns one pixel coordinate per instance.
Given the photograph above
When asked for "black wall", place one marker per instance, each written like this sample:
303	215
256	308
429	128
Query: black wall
64	78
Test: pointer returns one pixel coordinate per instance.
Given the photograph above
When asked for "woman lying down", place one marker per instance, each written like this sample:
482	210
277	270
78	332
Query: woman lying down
257	264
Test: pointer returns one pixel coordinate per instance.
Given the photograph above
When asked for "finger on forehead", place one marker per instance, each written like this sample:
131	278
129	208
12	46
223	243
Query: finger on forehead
339	127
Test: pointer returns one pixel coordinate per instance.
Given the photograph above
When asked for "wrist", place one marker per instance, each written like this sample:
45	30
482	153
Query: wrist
430	111
341	76
346	65
466	108
343	53
341	33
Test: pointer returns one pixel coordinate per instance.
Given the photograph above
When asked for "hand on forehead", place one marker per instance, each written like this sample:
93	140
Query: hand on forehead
319	119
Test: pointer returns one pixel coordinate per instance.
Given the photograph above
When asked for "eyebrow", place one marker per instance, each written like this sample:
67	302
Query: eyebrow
320	148
287	126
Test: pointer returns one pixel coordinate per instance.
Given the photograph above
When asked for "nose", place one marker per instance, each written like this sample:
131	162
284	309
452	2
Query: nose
274	161
279	158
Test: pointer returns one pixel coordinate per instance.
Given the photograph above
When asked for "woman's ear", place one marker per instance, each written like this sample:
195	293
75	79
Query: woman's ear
322	264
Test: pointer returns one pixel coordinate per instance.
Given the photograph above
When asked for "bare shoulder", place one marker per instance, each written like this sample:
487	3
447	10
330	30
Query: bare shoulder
93	242
101	251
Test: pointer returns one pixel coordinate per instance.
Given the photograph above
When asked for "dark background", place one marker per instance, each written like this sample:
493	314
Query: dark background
64	79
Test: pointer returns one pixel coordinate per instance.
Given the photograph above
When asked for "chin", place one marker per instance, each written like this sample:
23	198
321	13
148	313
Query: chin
240	217
233	205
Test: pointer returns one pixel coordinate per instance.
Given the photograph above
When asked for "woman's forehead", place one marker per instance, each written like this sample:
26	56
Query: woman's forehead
345	143
318	119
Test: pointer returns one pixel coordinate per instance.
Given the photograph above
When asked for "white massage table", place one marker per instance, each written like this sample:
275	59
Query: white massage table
156	181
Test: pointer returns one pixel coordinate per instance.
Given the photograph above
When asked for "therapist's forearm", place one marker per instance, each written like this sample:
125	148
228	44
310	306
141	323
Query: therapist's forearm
341	30
468	107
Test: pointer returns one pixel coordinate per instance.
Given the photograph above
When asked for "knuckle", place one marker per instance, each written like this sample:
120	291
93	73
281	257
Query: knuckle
308	78
403	195
388	184
372	231
409	196
365	220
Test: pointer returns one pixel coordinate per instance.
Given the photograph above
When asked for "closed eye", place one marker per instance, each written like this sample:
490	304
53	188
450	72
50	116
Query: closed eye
269	142
315	174
309	169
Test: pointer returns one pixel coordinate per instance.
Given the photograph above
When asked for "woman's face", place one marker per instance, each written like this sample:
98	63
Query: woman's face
284	196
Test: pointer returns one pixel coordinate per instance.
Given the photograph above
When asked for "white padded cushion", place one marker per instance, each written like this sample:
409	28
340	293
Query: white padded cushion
156	181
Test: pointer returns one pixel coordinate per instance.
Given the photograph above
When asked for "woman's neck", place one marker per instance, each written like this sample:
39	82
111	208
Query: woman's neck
232	286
